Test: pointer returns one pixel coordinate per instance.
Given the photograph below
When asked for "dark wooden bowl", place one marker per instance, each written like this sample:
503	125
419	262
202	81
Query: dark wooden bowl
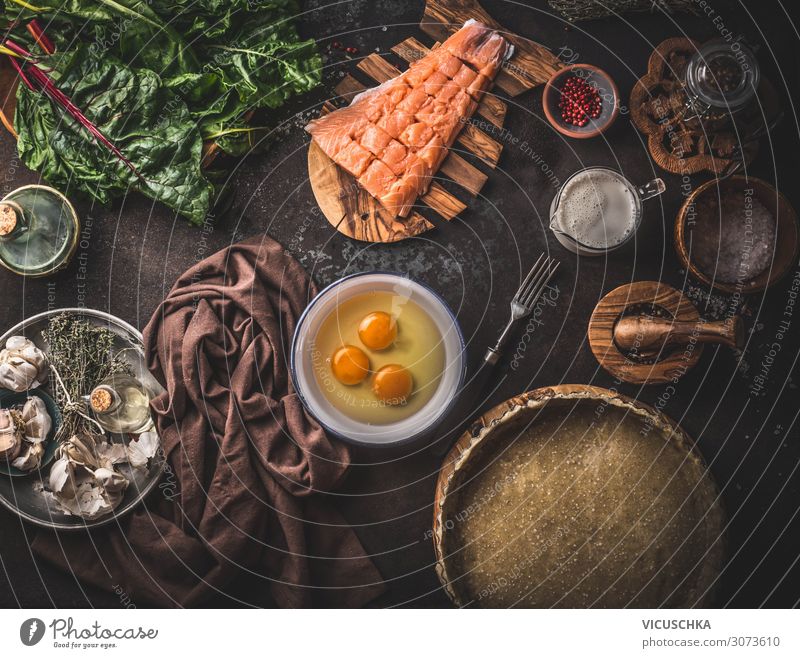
593	75
787	240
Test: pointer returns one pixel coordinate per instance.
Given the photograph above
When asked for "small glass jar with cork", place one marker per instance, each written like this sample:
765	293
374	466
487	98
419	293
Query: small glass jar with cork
721	80
39	231
121	404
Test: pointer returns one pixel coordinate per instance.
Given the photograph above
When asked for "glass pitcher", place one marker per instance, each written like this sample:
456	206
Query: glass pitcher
610	216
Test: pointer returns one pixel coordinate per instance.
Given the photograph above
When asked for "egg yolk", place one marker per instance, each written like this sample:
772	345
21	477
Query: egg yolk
392	384
377	330
350	365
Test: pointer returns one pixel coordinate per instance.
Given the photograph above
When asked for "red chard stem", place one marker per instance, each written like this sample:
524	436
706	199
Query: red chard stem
34	74
20	73
8	43
40	37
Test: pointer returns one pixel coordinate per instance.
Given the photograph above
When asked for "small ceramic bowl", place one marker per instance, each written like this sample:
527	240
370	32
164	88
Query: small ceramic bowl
415	427
11	399
597	78
787	238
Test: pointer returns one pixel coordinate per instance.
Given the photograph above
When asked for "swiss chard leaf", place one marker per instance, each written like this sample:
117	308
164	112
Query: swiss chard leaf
222	58
131	107
266	63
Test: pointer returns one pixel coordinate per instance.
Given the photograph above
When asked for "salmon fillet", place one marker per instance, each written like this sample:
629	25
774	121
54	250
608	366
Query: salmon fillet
375	139
393	138
483	51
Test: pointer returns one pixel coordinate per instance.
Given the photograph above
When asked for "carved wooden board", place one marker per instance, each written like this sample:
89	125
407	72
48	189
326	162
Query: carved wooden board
688	146
532	63
351	210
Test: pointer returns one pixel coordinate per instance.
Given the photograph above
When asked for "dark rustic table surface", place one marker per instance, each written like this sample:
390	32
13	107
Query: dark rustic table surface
133	251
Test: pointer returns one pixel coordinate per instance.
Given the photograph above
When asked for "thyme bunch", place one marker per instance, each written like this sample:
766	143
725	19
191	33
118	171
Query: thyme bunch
81	355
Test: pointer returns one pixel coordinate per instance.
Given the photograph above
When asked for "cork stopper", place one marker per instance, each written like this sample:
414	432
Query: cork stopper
101	399
8	218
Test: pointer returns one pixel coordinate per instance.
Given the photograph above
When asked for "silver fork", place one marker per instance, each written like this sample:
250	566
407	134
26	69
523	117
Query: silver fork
471	397
524	302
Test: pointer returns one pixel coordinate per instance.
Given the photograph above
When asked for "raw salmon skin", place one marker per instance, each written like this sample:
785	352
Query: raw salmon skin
393	138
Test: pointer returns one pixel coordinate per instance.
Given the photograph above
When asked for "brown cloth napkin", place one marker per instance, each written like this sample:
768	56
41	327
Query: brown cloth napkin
245	458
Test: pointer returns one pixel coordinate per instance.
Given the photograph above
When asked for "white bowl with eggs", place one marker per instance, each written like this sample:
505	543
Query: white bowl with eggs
426	343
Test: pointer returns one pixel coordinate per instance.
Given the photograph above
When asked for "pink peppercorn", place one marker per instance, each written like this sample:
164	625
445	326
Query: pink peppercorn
579	102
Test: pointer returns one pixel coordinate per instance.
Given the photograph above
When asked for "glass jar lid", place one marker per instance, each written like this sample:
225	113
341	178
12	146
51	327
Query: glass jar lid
723	75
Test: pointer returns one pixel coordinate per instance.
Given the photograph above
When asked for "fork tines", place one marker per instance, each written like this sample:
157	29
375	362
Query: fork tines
542	271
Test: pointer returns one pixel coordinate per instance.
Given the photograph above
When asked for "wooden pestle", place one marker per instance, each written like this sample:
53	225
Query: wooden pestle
644	333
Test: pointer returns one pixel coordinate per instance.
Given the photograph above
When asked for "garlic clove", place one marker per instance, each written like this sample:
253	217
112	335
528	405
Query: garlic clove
6	420
10	437
30	457
112	481
109	454
141	450
17	343
61	477
88	502
37	421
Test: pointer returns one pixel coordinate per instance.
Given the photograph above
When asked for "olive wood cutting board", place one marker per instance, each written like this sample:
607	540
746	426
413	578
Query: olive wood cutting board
351	210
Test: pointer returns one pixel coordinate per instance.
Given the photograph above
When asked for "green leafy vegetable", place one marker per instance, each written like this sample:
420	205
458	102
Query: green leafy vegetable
144	119
157	77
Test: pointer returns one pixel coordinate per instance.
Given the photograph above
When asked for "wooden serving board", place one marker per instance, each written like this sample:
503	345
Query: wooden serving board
531	65
354	212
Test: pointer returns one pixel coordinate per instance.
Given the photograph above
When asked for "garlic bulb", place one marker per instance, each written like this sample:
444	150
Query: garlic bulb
90	500
10	436
81	450
83	480
22	365
27	428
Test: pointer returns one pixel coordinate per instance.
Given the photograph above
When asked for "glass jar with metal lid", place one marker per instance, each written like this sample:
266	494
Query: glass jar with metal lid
39	230
721	79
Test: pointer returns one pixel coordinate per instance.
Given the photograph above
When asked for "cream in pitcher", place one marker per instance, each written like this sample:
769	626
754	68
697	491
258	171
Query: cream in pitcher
598	210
